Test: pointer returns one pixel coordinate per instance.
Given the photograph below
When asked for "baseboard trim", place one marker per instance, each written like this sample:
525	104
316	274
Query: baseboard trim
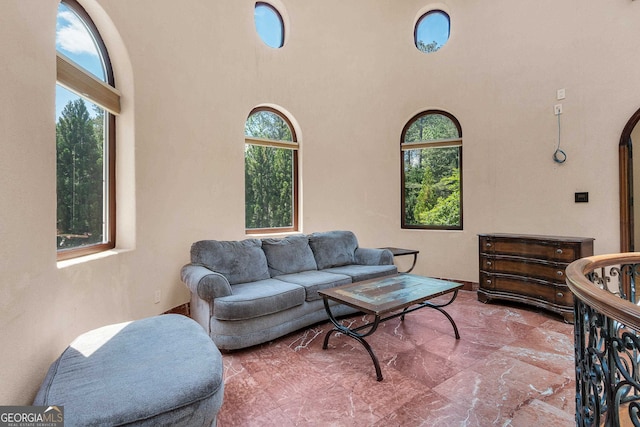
184	309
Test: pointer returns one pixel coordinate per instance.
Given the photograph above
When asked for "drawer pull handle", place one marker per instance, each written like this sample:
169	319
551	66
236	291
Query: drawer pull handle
488	281
488	244
489	263
559	251
559	294
559	273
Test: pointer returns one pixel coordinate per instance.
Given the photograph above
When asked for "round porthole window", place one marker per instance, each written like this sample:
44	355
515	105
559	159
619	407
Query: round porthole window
432	31
269	25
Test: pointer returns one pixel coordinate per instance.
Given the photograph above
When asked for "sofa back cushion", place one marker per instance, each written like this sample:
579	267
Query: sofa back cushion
333	248
239	261
289	255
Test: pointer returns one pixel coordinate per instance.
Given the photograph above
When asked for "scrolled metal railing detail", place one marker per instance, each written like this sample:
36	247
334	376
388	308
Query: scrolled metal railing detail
607	339
591	366
627	390
600	278
627	283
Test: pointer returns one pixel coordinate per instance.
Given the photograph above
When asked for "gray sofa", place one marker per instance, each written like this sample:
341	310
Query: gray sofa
252	291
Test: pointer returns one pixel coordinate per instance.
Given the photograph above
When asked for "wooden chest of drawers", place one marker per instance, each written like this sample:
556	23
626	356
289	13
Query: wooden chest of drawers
530	269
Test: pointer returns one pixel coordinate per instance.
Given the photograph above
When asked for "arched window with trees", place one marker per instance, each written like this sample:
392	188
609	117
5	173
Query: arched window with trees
271	172
86	105
431	148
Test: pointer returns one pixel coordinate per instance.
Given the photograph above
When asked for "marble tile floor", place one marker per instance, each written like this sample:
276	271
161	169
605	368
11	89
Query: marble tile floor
513	366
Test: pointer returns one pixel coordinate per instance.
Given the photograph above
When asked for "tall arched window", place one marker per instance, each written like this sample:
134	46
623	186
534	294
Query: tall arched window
270	172
431	146
86	105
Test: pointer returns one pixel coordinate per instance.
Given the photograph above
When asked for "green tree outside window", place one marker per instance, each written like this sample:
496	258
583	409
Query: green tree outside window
432	148
80	171
270	162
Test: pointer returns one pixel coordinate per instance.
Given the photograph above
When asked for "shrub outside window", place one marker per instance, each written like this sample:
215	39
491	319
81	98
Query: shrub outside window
86	104
271	173
431	147
432	31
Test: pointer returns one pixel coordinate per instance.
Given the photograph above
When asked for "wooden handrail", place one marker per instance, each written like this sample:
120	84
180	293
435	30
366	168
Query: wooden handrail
601	300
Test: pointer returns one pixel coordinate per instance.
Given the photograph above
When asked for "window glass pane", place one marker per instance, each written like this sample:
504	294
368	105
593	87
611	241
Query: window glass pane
268	187
269	173
431	127
75	41
269	25
431	175
268	125
432	187
432	31
80	159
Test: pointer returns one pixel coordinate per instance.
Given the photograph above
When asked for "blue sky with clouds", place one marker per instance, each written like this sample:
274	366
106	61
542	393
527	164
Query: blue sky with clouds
74	41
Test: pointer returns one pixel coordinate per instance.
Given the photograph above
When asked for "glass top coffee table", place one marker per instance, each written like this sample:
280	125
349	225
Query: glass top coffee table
387	298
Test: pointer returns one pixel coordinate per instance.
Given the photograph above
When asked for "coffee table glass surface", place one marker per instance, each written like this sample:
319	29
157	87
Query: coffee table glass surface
383	295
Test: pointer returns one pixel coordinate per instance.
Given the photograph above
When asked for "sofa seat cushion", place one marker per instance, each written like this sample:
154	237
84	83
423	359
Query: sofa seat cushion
289	255
254	299
314	281
162	370
333	248
238	261
363	272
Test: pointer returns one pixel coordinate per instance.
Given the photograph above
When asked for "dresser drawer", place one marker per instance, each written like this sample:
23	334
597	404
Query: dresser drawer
548	250
551	271
564	296
526	287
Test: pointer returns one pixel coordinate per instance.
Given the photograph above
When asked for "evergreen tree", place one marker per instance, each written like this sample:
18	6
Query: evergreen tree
431	186
79	162
268	173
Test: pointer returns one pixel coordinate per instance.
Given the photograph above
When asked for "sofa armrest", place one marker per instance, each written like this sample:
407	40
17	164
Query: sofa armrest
371	256
205	283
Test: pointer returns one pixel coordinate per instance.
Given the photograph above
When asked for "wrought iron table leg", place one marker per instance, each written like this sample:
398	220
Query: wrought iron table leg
415	258
367	347
356	336
338	327
436	307
455	328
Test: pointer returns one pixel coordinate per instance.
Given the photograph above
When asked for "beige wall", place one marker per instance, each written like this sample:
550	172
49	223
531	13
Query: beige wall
191	71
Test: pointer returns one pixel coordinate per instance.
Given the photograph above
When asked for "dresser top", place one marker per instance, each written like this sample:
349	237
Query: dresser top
538	237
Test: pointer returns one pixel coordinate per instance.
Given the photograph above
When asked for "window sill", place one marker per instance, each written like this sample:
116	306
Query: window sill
88	258
275	235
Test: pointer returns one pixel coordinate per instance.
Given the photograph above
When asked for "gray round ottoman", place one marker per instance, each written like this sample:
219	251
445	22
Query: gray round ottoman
163	370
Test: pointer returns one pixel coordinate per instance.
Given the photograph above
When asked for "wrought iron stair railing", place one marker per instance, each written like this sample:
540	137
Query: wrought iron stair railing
607	339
